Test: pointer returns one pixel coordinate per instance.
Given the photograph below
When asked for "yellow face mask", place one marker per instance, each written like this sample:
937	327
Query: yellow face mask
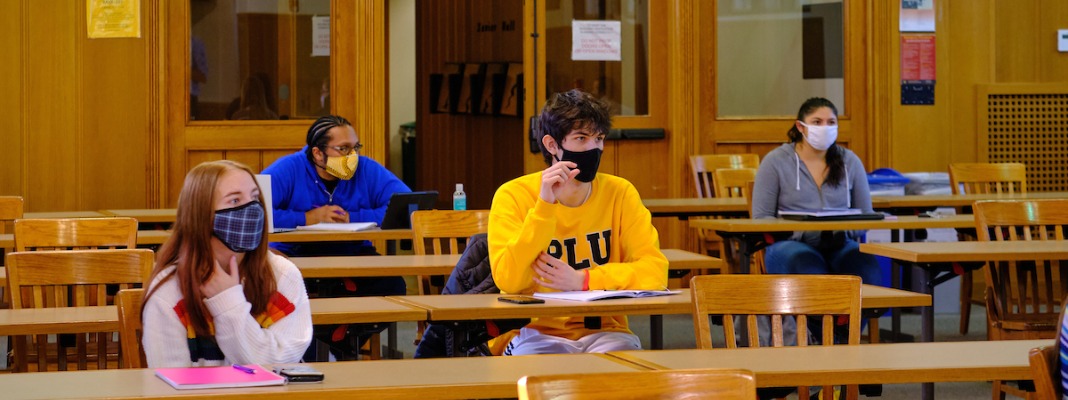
343	167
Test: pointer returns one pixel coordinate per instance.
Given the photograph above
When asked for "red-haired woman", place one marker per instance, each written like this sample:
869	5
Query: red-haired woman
217	295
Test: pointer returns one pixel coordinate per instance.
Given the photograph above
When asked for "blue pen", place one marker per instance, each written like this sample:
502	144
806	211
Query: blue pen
244	369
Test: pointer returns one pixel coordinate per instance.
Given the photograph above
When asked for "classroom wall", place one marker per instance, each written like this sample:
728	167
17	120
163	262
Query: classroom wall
73	132
402	101
81	117
978	42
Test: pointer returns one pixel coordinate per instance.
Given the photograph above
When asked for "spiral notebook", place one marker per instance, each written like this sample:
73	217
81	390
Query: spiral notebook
218	377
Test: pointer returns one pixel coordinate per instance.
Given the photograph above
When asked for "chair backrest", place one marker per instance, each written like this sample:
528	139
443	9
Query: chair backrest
983	178
734	182
446	231
1046	371
10	210
667	384
75	278
1023	297
129	304
775	297
704	167
75	233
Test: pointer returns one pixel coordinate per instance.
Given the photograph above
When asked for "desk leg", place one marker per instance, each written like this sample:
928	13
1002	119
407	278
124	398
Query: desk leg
656	331
391	342
928	324
743	254
895	313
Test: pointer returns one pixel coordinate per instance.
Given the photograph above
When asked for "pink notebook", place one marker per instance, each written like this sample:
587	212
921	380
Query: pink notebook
218	377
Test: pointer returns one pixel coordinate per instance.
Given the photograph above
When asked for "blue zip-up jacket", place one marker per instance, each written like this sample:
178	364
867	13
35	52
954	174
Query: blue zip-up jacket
296	188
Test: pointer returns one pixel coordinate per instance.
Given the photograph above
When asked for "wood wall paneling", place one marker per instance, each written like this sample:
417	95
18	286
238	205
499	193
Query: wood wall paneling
12	76
52	148
1016	24
969	57
1053	65
480	151
114	120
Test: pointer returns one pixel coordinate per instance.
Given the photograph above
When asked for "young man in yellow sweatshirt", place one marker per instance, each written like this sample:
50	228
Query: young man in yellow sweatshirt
569	228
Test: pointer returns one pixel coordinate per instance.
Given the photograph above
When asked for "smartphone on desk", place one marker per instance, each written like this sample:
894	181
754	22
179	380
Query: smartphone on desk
520	299
299	373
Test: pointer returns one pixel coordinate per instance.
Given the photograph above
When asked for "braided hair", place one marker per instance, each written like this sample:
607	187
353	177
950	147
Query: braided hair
318	135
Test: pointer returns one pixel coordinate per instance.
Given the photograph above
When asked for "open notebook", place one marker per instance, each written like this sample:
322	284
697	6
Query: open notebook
218	377
590	295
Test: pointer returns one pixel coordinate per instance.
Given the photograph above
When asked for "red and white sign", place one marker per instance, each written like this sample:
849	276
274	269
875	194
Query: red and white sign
596	40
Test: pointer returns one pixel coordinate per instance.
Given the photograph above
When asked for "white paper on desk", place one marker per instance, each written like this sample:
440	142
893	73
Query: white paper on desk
339	226
590	295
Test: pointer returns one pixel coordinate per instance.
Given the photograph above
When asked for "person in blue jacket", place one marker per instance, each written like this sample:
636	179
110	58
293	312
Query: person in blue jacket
329	181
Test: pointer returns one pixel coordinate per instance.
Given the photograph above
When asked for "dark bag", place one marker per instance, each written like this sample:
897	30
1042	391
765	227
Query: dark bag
472	275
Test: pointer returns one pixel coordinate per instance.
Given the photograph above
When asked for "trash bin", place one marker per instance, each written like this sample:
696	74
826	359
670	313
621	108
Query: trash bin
407	134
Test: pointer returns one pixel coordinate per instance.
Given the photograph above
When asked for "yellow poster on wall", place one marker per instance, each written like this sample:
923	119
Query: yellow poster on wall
113	18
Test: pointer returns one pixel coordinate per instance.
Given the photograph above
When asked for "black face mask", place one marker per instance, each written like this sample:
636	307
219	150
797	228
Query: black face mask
586	162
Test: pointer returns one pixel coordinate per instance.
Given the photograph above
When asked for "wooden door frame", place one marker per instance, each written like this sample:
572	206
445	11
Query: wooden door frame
358	89
855	122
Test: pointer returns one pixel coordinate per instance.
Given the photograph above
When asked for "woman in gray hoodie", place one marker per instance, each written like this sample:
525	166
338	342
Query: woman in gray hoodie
813	173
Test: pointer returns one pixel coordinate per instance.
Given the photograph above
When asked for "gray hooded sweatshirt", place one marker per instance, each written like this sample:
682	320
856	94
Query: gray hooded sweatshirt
784	183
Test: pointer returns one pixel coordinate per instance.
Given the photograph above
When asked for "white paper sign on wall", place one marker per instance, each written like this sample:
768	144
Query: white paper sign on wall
596	40
320	36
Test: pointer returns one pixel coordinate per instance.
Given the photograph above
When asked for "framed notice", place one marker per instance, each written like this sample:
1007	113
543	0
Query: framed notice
113	18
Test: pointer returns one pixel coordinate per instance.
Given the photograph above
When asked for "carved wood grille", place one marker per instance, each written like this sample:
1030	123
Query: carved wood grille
1031	129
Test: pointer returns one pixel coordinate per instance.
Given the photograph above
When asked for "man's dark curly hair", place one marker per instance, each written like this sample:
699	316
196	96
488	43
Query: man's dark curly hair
567	111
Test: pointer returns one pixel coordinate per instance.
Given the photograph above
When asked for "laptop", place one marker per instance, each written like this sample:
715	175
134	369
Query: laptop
831	215
265	190
402	205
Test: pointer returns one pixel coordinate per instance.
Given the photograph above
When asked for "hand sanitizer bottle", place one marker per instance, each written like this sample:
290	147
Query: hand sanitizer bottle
459	198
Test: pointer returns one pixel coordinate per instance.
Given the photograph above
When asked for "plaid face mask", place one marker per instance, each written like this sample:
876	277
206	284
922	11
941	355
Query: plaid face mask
240	228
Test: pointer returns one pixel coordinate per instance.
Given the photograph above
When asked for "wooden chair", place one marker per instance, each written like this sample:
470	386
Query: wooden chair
1046	372
75	233
1023	299
129	304
703	167
823	297
445	232
726	384
77	278
738	183
1046	366
1007	179
10	210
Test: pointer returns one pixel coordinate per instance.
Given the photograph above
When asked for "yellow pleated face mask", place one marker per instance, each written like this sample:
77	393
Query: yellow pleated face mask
343	167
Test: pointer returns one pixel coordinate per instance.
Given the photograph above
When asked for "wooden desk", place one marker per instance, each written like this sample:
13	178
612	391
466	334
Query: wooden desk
442	264
356	266
441	378
351	310
953	200
935	260
65	214
748	233
861	364
486	306
150	215
157	237
686	207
